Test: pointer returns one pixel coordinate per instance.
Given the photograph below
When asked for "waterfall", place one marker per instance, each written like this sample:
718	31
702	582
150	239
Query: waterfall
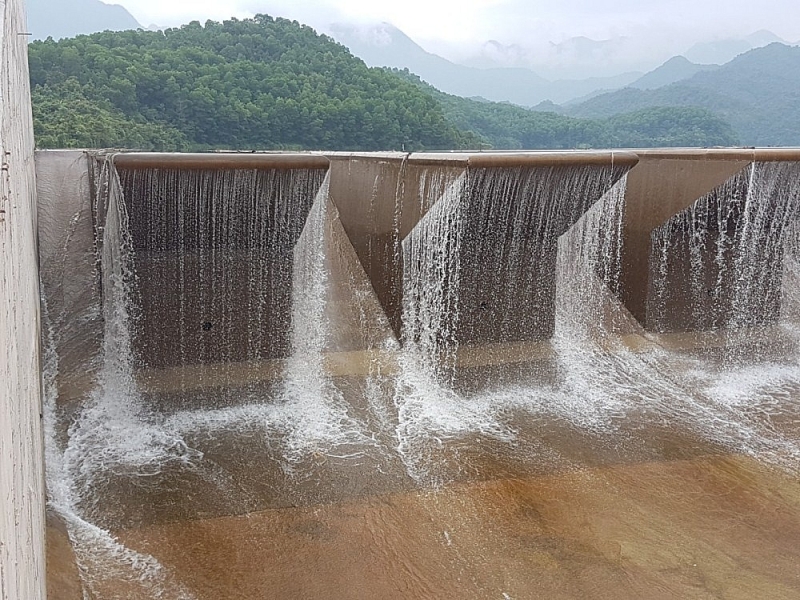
512	220
315	412
588	269
476	271
112	433
214	262
729	243
431	275
425	402
791	283
739	246
597	375
304	414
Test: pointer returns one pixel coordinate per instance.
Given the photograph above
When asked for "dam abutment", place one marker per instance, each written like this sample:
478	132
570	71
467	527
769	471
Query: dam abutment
22	493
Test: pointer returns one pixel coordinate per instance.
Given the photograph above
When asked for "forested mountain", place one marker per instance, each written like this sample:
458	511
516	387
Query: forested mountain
68	18
267	83
758	93
503	125
255	83
675	69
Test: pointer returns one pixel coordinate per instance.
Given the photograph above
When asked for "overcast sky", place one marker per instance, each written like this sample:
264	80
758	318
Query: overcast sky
442	23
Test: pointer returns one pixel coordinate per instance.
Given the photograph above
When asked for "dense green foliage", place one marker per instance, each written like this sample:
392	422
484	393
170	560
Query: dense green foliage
65	118
669	127
267	83
512	127
758	93
255	83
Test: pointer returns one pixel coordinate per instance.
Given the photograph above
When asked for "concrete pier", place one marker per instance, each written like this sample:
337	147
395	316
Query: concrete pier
663	184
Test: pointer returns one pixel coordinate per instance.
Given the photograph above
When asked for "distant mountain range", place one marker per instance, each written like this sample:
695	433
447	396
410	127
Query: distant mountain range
722	51
758	93
386	46
675	69
503	73
62	19
581	57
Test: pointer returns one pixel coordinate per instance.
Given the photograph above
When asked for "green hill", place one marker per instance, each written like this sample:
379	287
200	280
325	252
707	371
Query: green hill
267	83
758	93
505	126
250	84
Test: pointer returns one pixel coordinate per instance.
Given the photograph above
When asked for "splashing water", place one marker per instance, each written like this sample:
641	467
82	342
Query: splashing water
428	409
731	241
112	433
309	414
440	287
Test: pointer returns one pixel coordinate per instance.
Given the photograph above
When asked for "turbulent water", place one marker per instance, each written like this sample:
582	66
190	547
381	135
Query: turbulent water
600	390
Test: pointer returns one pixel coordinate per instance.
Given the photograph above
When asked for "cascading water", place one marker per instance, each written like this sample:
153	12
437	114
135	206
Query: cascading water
790	309
112	433
738	244
512	220
120	438
593	388
729	242
220	450
311	400
221	242
427	406
305	415
431	277
470	274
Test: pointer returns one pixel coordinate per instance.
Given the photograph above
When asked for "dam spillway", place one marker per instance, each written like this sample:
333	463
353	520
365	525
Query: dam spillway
510	375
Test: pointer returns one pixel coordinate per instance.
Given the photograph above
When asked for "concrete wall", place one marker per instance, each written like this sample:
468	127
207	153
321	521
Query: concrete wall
658	188
513	207
22	511
68	268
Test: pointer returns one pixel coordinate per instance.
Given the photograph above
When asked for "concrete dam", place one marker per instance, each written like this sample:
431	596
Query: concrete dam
521	375
421	376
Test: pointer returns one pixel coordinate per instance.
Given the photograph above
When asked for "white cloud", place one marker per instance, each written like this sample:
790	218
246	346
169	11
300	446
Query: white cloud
460	22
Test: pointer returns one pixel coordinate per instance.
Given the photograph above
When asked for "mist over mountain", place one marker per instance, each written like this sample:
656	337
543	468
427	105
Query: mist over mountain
63	19
386	46
722	51
575	58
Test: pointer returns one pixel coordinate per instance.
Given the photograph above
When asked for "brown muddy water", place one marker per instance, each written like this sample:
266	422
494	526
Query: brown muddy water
554	484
